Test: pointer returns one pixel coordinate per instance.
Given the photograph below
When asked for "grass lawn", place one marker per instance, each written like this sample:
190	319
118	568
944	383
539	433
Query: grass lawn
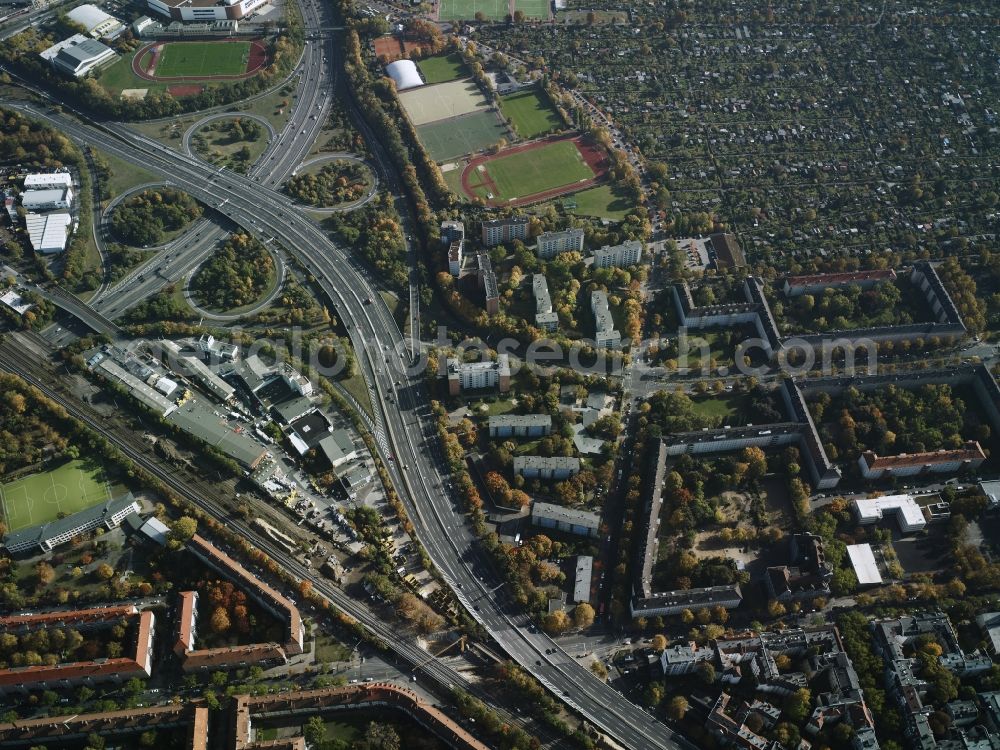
453	179
201	59
441	68
531	113
533	8
722	406
603	202
330	650
124	174
119	76
459	136
529	172
357	387
492	10
39	498
347	733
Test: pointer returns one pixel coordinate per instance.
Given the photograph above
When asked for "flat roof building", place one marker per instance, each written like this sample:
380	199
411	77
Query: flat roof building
616	256
46	537
863	561
545	318
904	508
546	467
98	24
338	447
140	391
213	428
455	253
550	244
194	368
582	580
520	425
499	231
579	522
46	180
205	10
77	56
605	334
475	375
666	603
47	199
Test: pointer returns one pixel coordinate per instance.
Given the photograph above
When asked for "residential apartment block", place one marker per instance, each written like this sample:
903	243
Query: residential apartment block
455	252
605	333
467	376
550	244
452	231
499	231
545	318
488	283
617	256
967	458
546	467
795	286
520	425
568	520
663	603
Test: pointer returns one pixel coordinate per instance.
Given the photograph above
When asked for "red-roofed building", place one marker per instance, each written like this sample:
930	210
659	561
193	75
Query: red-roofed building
186	622
67	618
968	457
60	676
234	657
817	283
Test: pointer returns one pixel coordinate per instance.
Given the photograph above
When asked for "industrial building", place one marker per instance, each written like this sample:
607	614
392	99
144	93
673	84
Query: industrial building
47	200
48	233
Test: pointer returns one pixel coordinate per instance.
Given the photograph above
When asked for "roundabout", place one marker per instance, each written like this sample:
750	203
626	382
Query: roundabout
345	157
198	126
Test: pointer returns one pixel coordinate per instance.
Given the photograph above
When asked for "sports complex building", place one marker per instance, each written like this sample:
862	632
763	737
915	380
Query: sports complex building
47	536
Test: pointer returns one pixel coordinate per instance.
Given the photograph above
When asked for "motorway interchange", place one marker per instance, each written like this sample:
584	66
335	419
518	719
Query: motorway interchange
406	431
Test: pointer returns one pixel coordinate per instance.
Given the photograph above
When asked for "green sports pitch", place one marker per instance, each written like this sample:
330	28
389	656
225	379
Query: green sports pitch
39	498
530	172
202	59
466	10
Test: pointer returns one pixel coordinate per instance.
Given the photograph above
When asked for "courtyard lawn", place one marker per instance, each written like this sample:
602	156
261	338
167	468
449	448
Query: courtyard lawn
441	68
530	113
39	498
202	59
535	171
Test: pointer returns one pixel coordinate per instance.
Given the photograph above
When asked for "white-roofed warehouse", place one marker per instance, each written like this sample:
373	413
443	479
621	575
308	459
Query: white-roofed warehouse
405	74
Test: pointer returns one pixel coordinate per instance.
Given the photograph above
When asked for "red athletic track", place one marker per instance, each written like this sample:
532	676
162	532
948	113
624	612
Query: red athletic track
592	155
256	61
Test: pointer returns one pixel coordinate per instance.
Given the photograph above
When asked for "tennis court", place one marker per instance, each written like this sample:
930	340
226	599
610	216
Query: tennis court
458	136
202	59
466	10
39	498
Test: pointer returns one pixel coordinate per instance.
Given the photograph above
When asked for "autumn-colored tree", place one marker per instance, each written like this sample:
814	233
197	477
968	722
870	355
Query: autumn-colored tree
583	615
105	572
219	622
677	708
45	572
555	623
659	642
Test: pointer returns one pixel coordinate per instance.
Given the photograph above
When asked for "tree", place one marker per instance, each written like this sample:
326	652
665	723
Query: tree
706	672
556	622
583	615
45	572
382	737
314	731
797	705
677	708
105	572
183	529
659	643
220	620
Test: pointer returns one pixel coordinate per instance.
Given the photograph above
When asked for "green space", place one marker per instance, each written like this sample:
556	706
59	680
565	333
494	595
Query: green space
453	179
533	8
39	498
537	170
119	76
441	68
721	407
602	202
123	174
202	59
330	650
530	113
236	142
467	10
457	136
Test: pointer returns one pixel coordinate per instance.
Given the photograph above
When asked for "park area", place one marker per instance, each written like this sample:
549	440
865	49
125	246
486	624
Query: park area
530	113
40	498
457	136
491	10
534	172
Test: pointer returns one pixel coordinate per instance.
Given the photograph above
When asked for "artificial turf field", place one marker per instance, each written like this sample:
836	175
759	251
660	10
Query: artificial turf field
40	498
202	59
458	136
530	112
492	10
535	171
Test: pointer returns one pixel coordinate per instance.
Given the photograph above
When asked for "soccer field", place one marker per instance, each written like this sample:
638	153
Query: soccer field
202	59
530	112
442	68
458	136
40	498
533	8
465	10
534	171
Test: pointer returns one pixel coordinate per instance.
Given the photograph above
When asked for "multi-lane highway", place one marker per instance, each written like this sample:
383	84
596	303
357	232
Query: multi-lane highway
404	429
